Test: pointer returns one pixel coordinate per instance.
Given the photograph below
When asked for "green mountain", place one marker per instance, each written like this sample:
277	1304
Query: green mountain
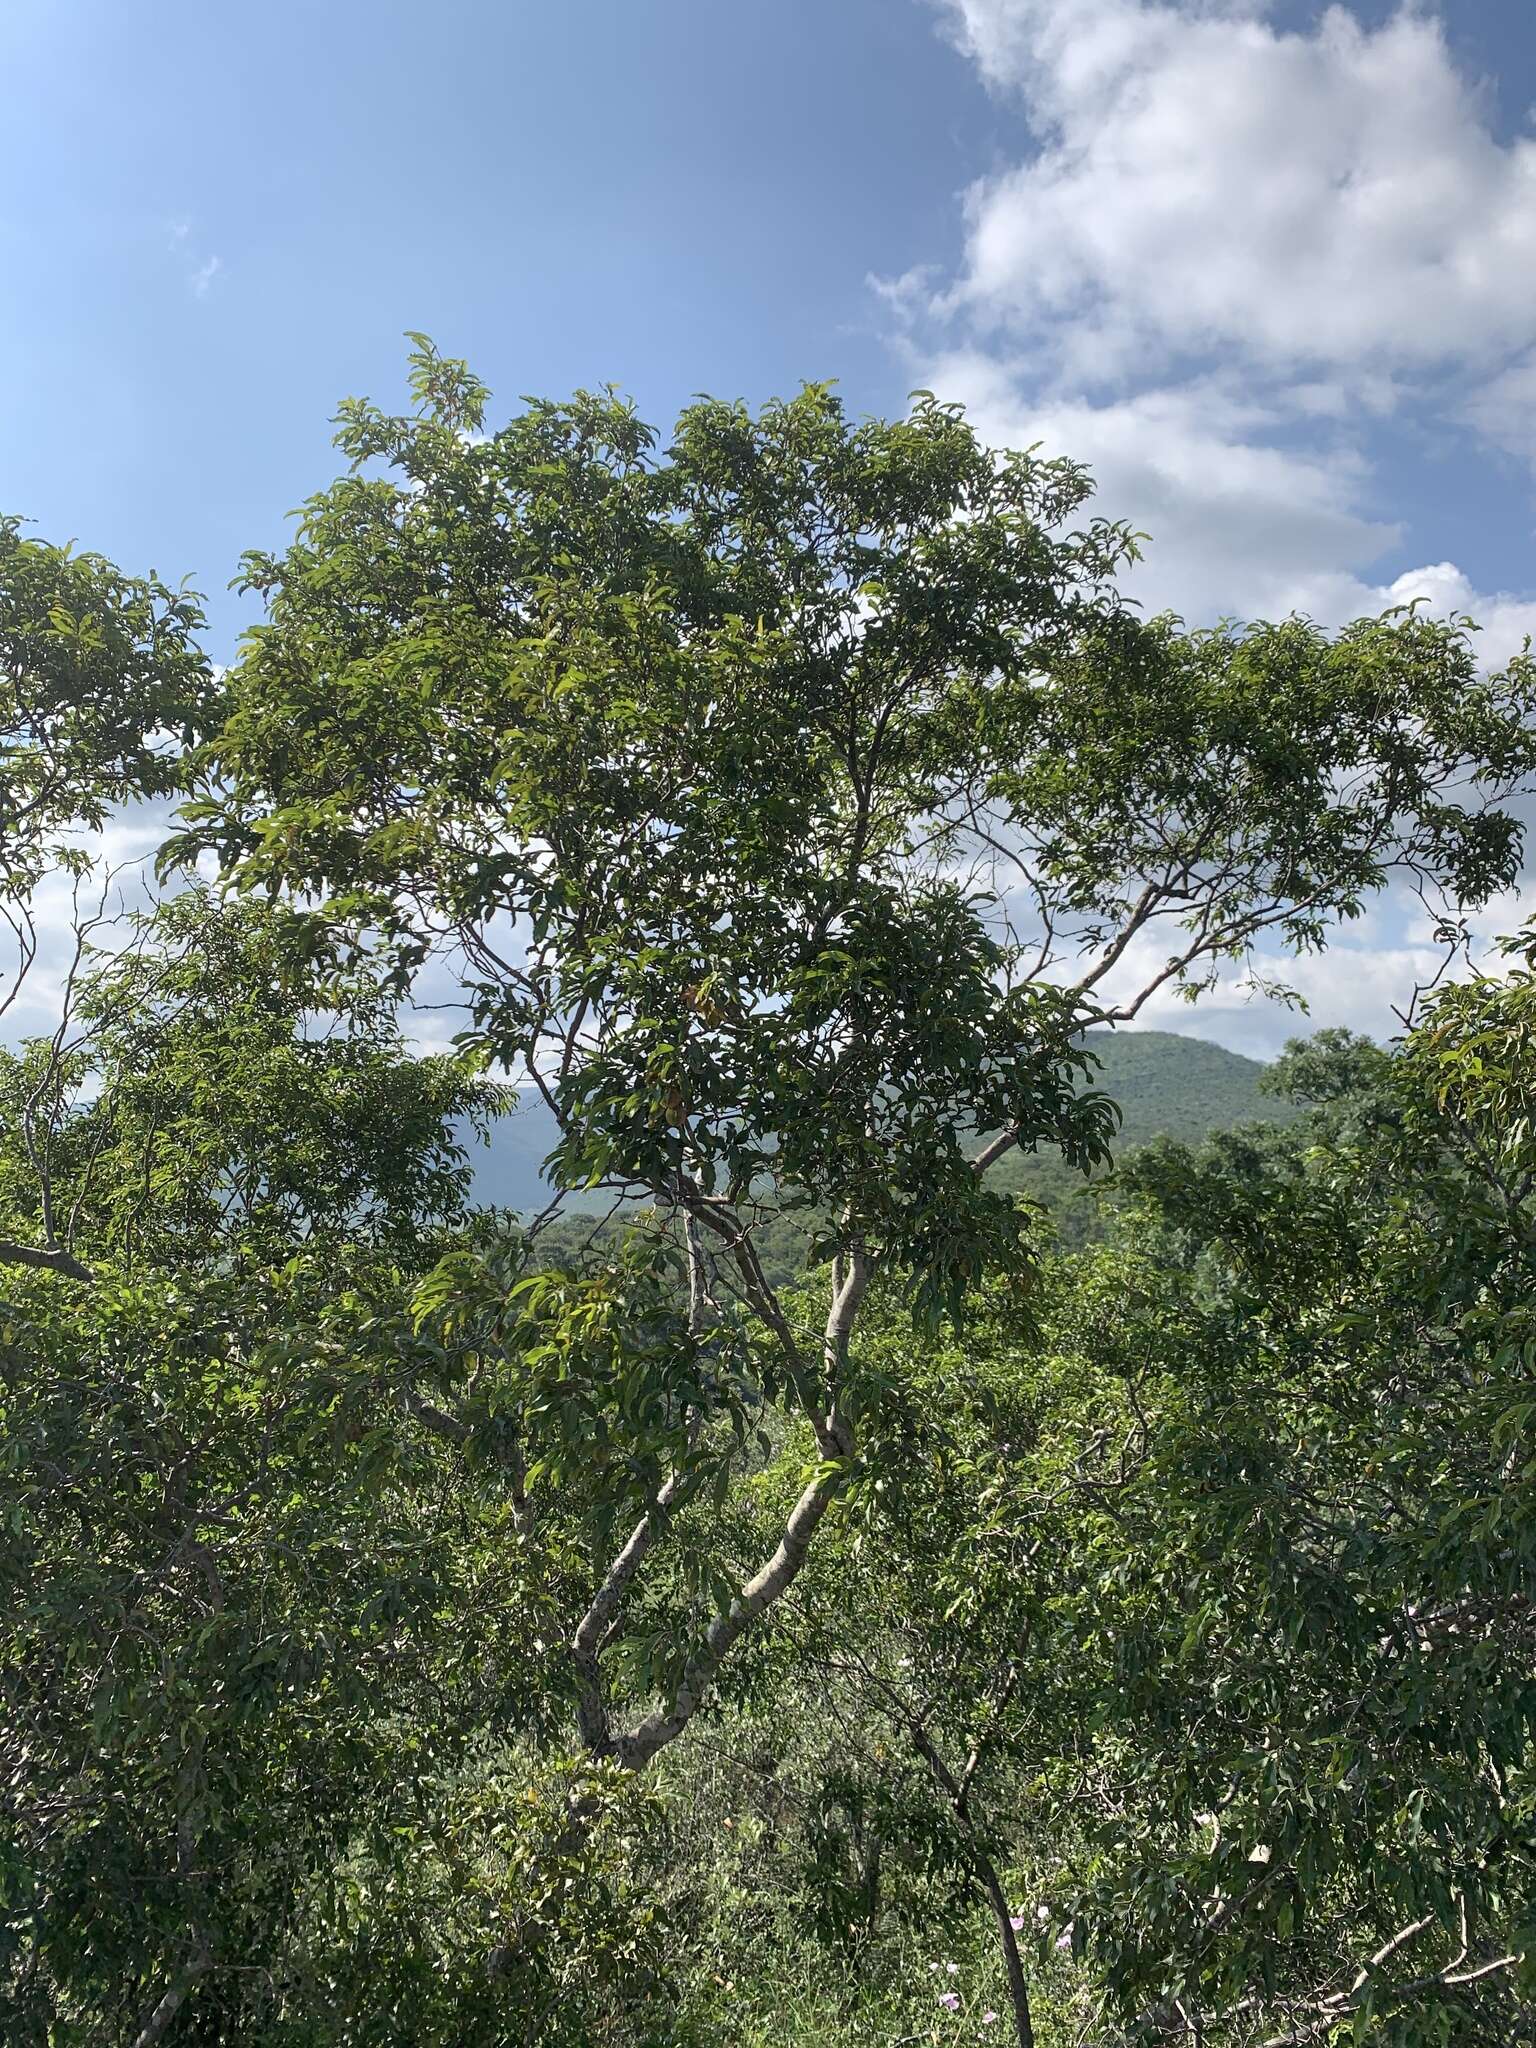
1164	1083
1171	1086
1167	1086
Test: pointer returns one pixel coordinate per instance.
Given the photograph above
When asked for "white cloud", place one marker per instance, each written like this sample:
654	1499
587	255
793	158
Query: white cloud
1504	409
1505	621
1362	988
1366	980
121	882
1230	264
198	270
1239	524
1204	182
1229	257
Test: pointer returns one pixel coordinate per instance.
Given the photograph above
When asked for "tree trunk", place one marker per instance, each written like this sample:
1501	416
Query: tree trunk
1013	1964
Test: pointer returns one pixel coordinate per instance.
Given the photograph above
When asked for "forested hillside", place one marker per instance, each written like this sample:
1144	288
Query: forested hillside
828	1602
1170	1085
1164	1084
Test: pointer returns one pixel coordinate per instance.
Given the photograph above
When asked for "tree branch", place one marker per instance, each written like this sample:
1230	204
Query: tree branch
769	1585
592	1716
47	1260
166	2009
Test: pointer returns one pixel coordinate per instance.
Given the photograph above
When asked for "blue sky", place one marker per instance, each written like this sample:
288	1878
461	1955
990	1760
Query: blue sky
1269	268
675	196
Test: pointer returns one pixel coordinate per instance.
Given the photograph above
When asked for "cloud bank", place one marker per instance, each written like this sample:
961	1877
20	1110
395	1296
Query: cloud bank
1234	268
1229	261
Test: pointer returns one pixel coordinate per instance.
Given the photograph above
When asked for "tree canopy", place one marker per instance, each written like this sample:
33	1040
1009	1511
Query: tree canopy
421	1624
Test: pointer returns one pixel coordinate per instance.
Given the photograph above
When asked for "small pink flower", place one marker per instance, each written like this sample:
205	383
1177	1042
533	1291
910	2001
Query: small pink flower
989	2019
1064	1939
950	2000
1016	1922
953	1969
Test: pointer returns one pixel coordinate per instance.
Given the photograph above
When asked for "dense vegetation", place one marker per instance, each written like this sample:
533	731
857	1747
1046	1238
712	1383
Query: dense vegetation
1163	1084
828	1603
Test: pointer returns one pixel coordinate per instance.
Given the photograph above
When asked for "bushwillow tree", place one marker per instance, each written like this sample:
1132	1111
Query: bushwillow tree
1204	1629
102	686
232	1581
781	803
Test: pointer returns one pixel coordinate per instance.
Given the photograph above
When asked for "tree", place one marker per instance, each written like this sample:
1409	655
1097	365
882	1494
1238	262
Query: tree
242	1791
1351	1527
779	806
102	687
231	1091
255	1619
1209	1610
783	803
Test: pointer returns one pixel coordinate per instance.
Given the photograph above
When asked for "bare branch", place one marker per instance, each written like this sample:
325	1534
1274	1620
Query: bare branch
651	1735
47	1260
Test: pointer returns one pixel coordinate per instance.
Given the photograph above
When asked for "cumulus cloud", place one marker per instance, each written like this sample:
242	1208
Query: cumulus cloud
1361	988
1204	180
1504	408
1505	622
1229	257
1240	524
1231	264
35	970
1372	978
